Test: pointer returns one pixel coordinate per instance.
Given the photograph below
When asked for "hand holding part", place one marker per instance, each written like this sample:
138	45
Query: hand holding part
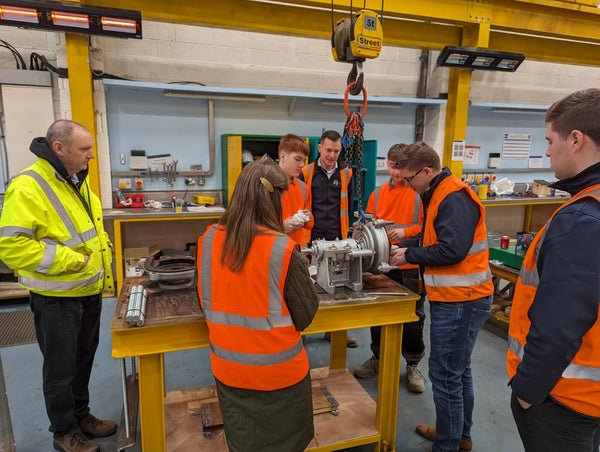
289	225
302	216
397	256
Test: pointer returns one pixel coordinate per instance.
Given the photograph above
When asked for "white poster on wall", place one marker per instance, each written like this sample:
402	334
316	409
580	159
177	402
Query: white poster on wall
471	155
458	150
516	145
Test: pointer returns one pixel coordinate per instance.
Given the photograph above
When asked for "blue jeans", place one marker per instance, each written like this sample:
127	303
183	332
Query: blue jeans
454	329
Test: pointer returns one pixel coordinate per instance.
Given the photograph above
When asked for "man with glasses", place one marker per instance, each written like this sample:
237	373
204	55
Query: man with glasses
395	201
453	255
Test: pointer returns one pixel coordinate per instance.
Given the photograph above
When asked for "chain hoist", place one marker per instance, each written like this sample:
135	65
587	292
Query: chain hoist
352	142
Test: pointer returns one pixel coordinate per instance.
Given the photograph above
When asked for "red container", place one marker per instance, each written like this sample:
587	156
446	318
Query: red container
504	242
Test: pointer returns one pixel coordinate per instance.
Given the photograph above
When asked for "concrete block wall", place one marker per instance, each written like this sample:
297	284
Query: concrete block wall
231	58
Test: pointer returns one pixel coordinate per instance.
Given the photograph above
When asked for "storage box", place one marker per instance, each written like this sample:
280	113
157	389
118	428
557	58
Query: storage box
508	257
135	258
541	188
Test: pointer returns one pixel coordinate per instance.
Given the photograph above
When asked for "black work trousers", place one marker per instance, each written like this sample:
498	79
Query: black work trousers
550	427
67	330
413	347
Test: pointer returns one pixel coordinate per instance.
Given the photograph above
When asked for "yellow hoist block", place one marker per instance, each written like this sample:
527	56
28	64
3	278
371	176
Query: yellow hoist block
367	35
357	39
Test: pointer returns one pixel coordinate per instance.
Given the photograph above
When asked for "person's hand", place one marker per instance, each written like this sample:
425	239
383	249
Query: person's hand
289	225
397	234
524	404
397	256
86	258
308	214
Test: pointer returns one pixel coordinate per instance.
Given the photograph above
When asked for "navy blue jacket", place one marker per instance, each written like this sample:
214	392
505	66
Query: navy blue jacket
568	296
326	202
454	226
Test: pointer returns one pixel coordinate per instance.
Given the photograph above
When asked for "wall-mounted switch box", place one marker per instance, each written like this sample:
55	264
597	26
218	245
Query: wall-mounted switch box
138	160
125	184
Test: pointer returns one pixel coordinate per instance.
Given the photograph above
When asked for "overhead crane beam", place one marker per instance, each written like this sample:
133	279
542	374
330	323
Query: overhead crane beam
426	24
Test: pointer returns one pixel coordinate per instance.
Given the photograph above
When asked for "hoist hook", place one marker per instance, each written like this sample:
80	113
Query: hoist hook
356	78
349	89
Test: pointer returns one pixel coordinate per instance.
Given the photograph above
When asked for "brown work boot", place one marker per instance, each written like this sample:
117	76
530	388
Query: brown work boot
416	382
367	369
74	441
351	342
429	433
92	426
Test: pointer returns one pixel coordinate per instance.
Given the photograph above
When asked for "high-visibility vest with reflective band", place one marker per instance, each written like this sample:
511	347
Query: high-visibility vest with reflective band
294	198
253	341
399	204
45	229
469	279
345	174
579	386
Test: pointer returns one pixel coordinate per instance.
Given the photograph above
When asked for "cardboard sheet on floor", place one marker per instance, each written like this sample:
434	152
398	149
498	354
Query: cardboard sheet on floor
356	417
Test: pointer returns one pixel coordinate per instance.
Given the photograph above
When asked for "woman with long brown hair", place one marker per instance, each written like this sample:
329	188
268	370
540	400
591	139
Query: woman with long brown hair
257	296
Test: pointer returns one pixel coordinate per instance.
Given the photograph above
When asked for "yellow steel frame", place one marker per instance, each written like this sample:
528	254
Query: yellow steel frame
81	92
151	342
119	238
430	24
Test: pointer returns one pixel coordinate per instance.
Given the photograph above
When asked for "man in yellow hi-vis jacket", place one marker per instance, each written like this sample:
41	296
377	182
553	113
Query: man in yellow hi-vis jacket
51	231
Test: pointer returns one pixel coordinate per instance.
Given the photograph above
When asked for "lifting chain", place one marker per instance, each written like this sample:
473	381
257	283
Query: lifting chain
352	142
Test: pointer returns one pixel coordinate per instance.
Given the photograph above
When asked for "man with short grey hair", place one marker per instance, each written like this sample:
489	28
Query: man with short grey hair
51	231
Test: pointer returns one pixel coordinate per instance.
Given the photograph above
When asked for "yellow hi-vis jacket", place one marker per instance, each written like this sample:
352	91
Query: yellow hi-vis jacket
45	231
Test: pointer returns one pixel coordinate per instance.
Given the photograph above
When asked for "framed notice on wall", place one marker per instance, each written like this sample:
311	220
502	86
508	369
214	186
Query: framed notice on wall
516	145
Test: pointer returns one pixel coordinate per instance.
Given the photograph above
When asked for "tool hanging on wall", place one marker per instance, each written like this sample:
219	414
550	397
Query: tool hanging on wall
354	39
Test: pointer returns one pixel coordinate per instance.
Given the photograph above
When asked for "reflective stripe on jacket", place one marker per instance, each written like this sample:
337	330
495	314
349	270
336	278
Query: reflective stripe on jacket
399	204
345	175
469	279
297	197
253	340
45	231
579	386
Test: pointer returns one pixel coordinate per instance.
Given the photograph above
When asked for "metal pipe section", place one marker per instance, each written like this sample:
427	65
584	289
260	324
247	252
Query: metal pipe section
137	306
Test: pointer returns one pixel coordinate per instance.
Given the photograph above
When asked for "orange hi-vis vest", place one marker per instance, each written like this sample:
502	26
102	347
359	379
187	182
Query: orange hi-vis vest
295	198
345	175
579	386
400	204
469	279
253	341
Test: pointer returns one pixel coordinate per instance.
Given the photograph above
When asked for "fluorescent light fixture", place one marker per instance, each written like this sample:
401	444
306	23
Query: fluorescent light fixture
359	103
215	96
520	111
475	58
75	17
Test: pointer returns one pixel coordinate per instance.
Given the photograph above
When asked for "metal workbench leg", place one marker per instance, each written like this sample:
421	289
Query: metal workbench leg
152	402
125	403
387	386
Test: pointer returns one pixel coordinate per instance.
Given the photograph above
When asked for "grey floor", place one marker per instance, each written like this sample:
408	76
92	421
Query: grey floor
493	430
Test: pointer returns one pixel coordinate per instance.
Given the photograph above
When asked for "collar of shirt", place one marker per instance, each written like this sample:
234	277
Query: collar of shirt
329	173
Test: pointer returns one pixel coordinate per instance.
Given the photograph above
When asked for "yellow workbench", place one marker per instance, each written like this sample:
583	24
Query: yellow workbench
120	217
174	322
